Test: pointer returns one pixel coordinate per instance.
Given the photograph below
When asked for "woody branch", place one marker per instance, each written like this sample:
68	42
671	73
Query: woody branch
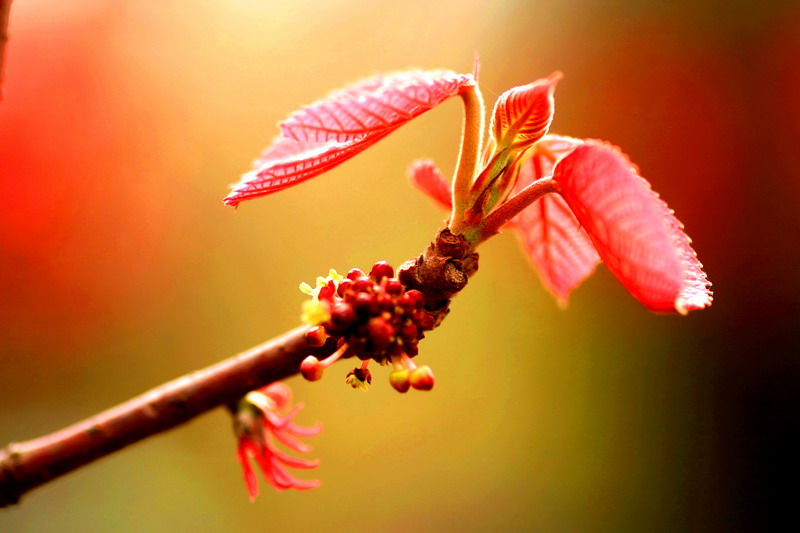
439	273
26	465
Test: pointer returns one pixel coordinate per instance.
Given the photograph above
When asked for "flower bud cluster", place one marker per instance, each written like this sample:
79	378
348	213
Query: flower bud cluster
375	318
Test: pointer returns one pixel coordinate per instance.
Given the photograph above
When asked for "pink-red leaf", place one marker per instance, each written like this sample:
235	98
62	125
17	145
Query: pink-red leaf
550	235
331	131
424	175
633	230
297	162
522	115
374	105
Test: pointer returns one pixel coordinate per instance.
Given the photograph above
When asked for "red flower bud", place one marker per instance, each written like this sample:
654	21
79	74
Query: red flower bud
311	368
326	292
409	332
362	303
424	320
316	336
363	285
381	270
422	378
393	286
400	380
382	302
355	274
412	299
342	315
344	286
380	333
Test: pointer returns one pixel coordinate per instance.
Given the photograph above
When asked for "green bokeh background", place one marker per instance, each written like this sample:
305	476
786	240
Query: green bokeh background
124	122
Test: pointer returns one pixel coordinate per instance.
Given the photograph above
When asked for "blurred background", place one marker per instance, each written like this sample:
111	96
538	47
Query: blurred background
122	125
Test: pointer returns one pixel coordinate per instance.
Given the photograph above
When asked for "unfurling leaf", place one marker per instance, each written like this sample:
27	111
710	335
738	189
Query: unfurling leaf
331	131
425	176
633	230
522	115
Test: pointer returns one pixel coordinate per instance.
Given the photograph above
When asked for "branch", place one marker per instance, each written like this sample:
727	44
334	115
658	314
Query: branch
439	273
26	465
5	9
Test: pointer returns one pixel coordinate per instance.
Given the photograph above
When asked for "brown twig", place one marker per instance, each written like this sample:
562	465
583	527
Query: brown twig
26	465
439	273
5	10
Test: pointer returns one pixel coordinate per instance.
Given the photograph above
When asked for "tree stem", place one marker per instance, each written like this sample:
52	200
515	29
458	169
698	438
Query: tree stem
26	465
439	273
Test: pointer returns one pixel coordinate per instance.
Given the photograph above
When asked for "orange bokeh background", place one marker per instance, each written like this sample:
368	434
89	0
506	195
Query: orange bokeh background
123	123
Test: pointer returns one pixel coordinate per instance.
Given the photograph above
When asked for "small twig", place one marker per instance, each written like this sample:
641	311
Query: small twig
26	465
5	9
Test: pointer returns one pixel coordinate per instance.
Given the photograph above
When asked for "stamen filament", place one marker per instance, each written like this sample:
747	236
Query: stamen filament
335	356
408	362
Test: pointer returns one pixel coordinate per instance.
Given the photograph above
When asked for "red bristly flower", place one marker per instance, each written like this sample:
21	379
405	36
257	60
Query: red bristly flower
376	318
258	423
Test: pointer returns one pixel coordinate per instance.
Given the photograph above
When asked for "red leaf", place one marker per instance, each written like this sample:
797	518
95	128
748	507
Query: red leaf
634	231
331	131
424	175
297	162
550	235
374	105
522	115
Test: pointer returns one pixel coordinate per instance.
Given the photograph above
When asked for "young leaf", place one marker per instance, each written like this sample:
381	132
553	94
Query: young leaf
425	176
551	237
372	106
634	231
286	163
331	131
522	115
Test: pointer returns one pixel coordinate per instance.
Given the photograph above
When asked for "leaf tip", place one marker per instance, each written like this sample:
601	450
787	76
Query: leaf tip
633	230
425	176
695	301
476	65
555	77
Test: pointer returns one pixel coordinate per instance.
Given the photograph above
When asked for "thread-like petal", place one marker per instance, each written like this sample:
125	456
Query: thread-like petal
334	129
258	425
633	230
250	480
